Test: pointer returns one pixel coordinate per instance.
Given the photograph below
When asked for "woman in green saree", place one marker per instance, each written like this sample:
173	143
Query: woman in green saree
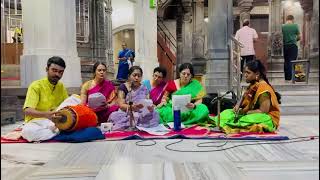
197	112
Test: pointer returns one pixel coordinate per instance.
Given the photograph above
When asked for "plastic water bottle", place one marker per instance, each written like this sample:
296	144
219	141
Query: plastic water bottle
176	118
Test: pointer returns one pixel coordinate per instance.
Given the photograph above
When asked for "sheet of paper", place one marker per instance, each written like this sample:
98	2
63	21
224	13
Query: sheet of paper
146	103
181	101
158	130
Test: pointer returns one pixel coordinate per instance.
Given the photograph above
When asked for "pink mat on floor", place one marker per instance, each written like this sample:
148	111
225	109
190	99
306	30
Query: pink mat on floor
194	132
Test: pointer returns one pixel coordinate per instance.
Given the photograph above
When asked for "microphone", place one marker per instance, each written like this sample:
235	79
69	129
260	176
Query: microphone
219	97
130	94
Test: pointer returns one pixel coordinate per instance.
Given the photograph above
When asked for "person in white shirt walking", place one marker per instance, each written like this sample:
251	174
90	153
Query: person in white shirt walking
246	35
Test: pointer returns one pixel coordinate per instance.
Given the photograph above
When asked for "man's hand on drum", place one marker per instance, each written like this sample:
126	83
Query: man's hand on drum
56	116
49	114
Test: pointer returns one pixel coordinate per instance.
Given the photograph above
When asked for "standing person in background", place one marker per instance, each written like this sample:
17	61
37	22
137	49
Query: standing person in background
246	35
124	56
291	35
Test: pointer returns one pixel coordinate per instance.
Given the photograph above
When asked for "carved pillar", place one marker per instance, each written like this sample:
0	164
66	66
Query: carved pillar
311	22
99	45
108	35
306	28
217	75
245	7
198	39
179	19
187	30
275	32
315	28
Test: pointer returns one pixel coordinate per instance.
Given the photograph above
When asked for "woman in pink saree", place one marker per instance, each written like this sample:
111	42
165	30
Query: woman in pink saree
99	93
156	86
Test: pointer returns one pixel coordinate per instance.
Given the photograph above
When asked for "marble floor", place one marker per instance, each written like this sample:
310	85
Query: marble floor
124	160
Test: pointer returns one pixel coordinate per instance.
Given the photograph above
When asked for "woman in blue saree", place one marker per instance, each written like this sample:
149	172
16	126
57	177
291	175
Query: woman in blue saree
123	57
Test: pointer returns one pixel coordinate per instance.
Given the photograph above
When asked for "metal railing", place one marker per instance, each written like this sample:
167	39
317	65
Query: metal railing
235	66
169	39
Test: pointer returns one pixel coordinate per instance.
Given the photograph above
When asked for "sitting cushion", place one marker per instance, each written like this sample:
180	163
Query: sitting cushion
83	135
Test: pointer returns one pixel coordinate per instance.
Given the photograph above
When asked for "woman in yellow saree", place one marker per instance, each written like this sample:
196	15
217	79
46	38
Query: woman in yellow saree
197	112
259	109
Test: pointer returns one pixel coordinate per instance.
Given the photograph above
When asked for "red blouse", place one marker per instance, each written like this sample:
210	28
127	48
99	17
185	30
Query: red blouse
171	87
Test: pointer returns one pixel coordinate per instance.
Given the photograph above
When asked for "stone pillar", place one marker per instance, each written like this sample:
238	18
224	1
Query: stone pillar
179	52
99	38
245	7
314	44
187	30
275	32
49	30
108	35
145	37
217	76
198	39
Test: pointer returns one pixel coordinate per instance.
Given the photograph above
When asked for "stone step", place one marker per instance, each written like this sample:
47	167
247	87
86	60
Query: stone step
10	83
8	118
280	80
299	98
280	73
10	71
299	108
291	87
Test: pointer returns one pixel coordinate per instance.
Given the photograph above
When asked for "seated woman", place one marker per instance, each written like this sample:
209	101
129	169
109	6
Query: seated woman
157	85
99	93
134	104
198	112
258	110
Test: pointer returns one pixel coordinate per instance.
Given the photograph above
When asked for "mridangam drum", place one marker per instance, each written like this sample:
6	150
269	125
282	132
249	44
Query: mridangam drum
75	117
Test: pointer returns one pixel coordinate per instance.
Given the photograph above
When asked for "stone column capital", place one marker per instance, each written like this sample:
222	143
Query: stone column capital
307	6
187	6
108	6
245	5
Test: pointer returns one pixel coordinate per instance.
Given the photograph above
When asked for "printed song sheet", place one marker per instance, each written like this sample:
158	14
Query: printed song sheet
181	101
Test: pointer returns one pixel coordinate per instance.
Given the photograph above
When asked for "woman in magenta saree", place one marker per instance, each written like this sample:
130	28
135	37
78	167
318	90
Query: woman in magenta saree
156	86
99	94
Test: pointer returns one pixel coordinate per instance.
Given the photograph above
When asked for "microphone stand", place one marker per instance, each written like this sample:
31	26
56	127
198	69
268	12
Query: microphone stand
218	98
131	119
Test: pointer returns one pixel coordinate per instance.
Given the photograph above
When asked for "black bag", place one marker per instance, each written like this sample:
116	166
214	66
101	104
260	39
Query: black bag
225	103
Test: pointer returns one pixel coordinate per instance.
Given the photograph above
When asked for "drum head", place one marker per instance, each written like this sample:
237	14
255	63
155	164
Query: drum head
67	121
